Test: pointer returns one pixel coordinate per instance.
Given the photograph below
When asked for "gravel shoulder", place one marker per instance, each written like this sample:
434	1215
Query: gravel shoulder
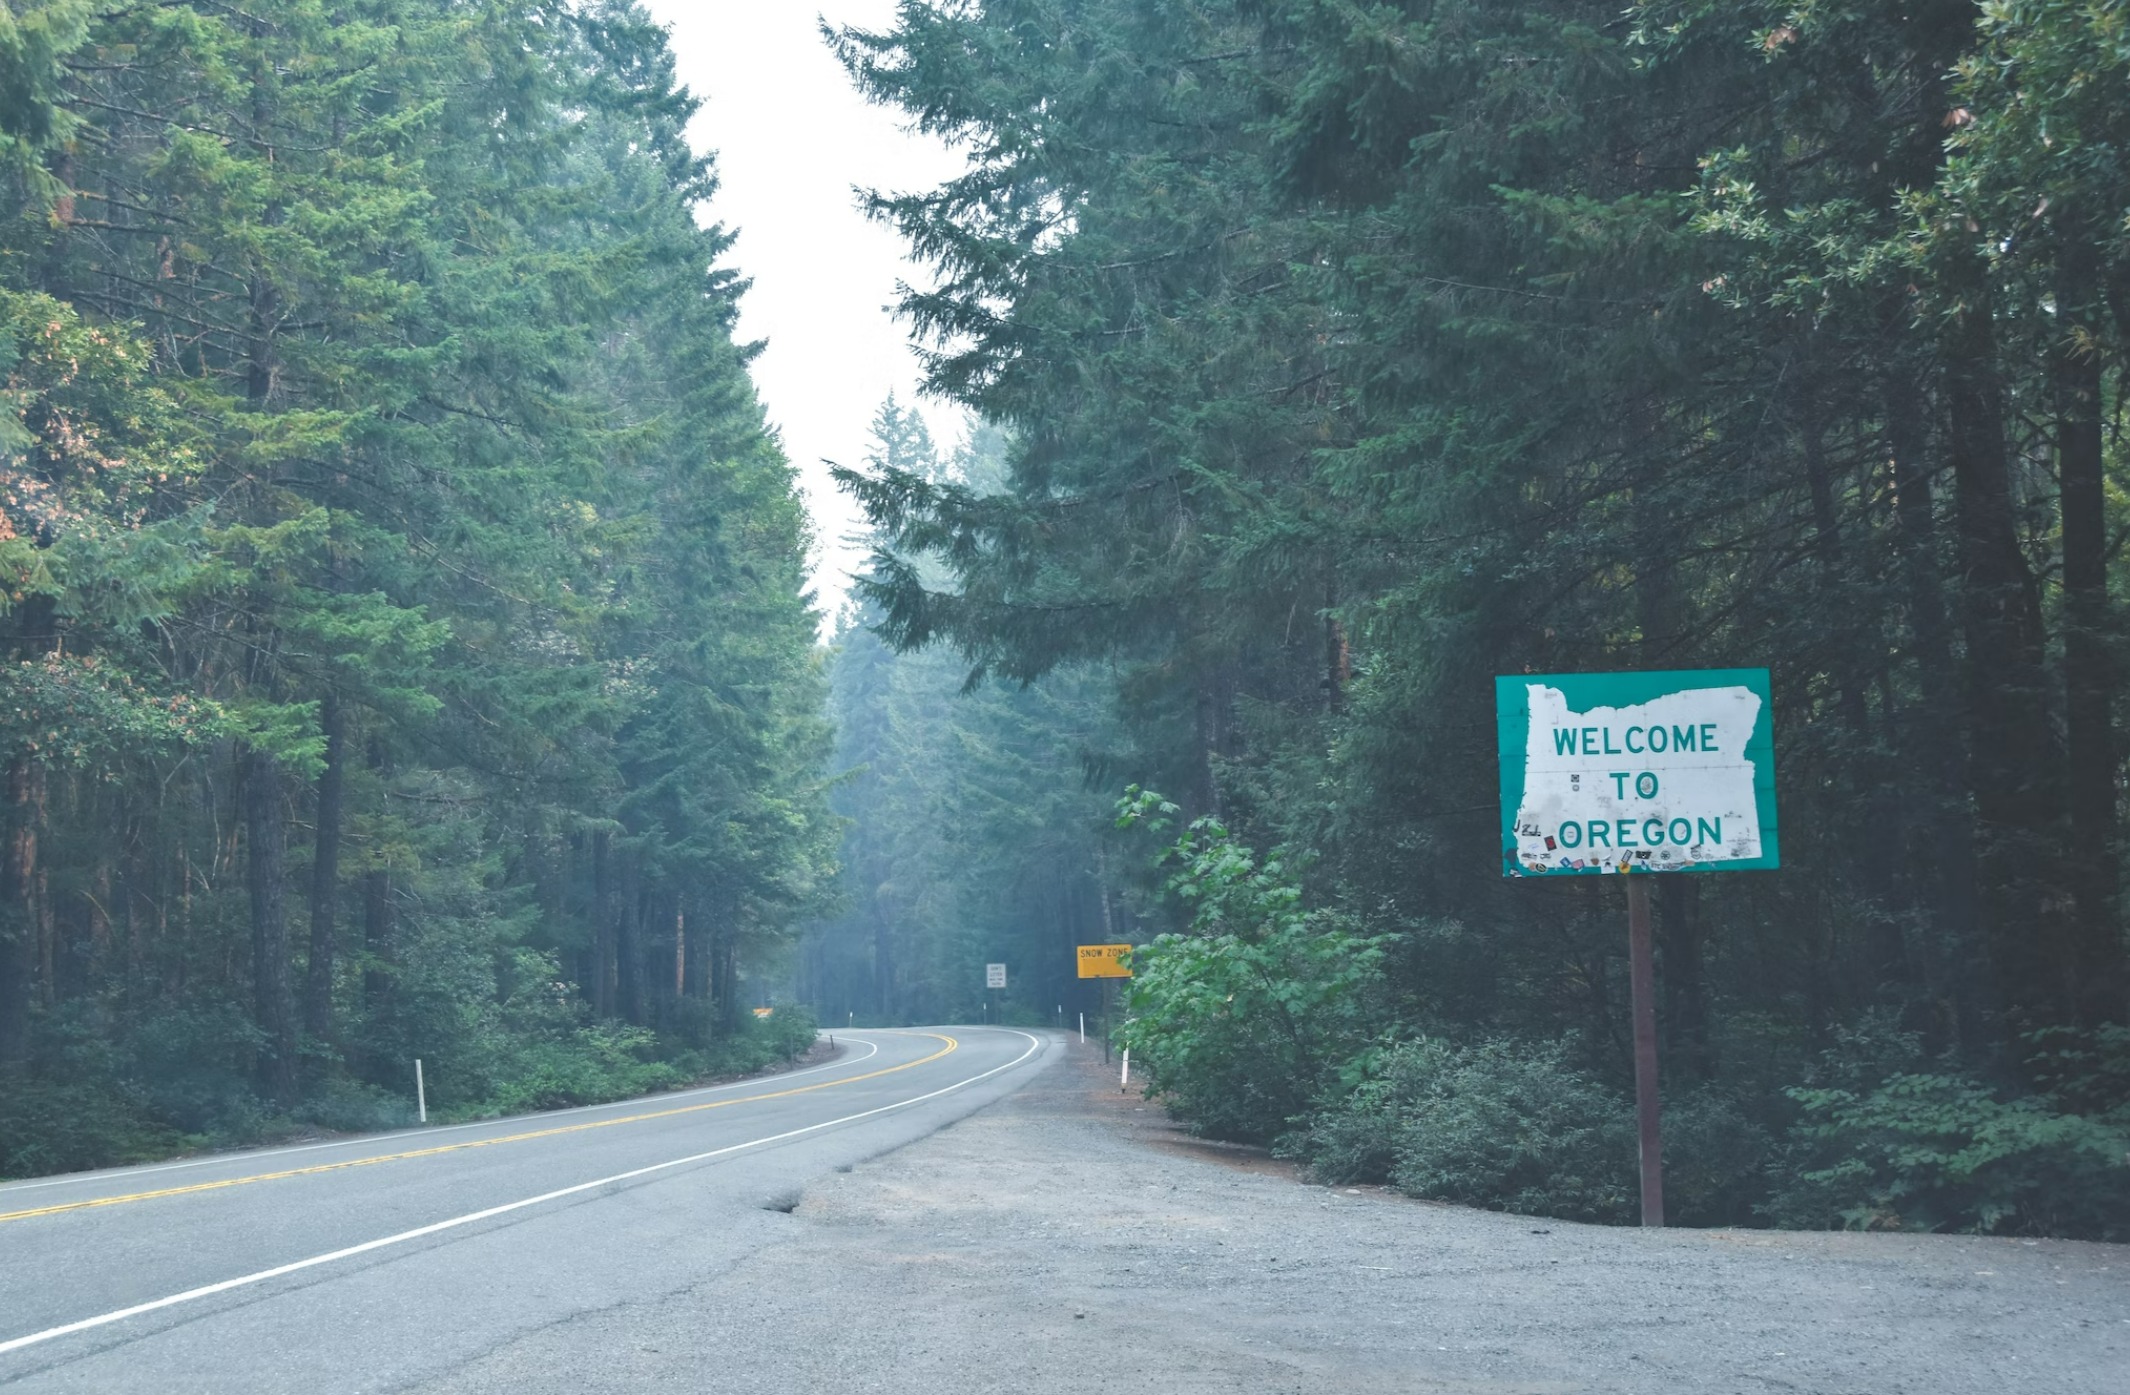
1068	1238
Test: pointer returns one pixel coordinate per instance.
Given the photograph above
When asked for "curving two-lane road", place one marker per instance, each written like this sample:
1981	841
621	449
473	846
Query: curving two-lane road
384	1262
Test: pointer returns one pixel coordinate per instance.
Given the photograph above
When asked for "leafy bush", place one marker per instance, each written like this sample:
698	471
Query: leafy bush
1242	1023
589	1065
1514	1127
1943	1152
2083	1072
82	1101
1715	1158
785	1035
350	1106
1888	1140
49	1126
104	1090
191	1063
1505	1125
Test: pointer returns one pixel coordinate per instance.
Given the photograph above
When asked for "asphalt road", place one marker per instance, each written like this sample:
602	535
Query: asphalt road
385	1262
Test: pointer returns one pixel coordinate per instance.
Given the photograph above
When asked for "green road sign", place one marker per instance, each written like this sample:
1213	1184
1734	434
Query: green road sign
1640	772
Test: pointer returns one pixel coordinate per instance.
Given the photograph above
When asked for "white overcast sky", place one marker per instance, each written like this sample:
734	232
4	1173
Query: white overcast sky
792	138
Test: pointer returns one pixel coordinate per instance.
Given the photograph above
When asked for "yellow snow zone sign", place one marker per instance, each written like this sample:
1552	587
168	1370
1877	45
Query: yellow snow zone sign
1105	961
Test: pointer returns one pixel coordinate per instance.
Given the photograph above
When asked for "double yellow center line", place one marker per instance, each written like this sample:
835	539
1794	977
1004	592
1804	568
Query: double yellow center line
316	1168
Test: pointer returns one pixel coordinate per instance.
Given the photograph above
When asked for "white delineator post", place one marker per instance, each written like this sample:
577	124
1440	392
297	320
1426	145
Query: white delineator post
1124	1078
421	1094
1083	1029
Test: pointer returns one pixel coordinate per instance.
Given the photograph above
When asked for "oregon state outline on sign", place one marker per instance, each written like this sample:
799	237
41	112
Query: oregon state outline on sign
1636	772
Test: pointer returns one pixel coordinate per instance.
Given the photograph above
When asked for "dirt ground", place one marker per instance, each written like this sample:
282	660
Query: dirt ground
1070	1238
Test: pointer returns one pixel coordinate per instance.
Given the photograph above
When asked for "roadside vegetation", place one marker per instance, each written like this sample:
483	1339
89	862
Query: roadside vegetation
90	1103
1263	1022
405	647
1350	354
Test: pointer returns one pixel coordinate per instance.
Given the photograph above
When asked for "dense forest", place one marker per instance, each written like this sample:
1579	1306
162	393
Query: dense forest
1350	353
407	645
406	648
973	814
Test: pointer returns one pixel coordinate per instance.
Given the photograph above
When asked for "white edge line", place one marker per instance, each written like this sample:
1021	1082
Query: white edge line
1035	1044
246	1155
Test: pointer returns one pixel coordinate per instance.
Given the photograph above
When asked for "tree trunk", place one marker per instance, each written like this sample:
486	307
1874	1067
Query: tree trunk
325	875
18	925
41	910
2098	978
1211	711
883	961
728	980
680	952
603	928
35	619
2012	760
629	952
1933	744
266	834
1338	656
378	932
701	932
266	830
1827	545
377	941
99	917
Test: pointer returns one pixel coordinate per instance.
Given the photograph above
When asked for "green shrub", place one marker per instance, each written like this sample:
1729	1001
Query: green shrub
2083	1072
589	1065
350	1106
784	1036
1715	1159
1512	1127
103	1089
80	1101
1244	1022
1944	1152
1354	1139
49	1126
191	1062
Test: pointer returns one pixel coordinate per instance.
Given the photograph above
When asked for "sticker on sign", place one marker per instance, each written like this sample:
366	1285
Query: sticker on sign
1636	772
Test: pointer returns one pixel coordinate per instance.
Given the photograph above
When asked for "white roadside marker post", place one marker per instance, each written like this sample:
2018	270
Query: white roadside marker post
1083	1029
1124	1079
421	1093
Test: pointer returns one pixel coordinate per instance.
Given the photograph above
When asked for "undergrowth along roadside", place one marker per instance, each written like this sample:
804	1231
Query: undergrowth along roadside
105	1106
1262	1020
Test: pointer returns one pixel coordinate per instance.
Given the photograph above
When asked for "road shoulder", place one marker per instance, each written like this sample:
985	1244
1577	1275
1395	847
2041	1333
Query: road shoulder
1064	1239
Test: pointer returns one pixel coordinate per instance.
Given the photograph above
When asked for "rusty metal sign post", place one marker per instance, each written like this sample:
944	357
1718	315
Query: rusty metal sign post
1633	773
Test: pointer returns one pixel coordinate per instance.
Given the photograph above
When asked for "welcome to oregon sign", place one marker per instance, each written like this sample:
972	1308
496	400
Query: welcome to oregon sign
1636	772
